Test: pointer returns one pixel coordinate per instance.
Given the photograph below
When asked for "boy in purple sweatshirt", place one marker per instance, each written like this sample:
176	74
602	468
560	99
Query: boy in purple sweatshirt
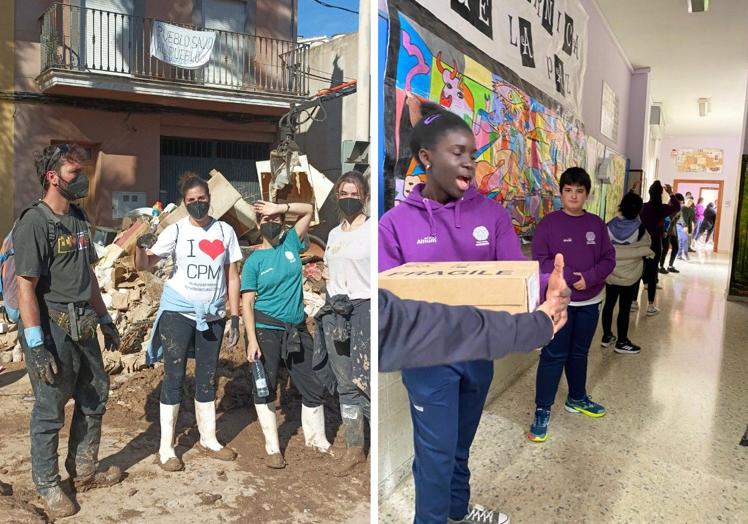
589	257
446	219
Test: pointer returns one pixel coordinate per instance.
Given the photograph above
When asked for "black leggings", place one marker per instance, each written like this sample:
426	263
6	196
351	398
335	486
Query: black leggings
178	334
299	366
612	295
667	243
650	276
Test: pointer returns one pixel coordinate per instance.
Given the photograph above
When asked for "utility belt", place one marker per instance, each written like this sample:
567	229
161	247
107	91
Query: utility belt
291	339
77	319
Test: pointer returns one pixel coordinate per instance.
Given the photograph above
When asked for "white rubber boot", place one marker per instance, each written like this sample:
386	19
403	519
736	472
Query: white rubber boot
269	425
205	413
168	417
313	424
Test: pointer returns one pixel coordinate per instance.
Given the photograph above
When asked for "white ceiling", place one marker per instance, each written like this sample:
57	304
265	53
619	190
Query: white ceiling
691	56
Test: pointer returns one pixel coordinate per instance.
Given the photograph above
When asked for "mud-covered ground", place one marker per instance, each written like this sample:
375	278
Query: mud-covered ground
207	490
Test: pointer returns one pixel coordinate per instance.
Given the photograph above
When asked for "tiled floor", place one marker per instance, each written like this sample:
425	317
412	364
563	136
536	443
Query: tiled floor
667	451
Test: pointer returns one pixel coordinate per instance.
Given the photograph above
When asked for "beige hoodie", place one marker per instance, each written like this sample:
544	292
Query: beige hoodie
629	262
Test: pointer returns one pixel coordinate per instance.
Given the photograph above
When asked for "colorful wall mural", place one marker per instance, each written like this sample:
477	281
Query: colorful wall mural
523	146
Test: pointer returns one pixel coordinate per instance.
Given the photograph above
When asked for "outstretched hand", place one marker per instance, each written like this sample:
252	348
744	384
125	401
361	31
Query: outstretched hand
558	295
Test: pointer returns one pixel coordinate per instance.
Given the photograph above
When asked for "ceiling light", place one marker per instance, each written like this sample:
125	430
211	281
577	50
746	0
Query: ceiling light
697	6
705	106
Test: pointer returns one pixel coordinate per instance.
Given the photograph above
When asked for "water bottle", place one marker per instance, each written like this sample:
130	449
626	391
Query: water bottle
261	382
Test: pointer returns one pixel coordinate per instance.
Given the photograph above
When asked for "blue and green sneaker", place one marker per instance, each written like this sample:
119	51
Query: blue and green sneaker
585	406
539	428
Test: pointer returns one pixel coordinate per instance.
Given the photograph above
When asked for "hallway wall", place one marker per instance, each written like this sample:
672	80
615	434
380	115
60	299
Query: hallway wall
732	147
605	61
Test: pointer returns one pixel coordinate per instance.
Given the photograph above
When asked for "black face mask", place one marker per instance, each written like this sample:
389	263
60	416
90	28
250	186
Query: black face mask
76	189
271	231
350	206
198	209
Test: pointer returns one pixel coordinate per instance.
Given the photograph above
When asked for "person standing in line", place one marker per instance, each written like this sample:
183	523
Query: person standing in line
653	217
446	219
707	224
60	306
273	310
699	213
589	257
687	222
191	319
670	240
348	306
631	242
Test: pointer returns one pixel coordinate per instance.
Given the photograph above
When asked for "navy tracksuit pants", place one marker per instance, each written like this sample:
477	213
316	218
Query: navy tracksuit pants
446	403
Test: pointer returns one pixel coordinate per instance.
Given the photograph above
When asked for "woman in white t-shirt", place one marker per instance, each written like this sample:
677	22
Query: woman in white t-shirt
192	315
345	319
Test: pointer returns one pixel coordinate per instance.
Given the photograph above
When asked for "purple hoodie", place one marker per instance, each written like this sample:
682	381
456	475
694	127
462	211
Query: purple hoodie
472	229
586	246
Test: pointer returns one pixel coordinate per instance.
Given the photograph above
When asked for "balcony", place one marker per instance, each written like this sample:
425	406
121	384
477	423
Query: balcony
90	52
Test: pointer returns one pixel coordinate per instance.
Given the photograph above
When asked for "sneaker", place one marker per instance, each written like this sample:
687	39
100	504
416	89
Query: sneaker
652	310
539	428
607	340
635	306
479	515
658	286
671	269
584	406
663	270
625	347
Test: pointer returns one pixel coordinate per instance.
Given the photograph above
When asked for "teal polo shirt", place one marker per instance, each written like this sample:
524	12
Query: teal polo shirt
275	274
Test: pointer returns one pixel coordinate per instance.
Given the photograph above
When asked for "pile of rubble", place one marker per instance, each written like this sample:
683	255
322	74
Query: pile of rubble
10	348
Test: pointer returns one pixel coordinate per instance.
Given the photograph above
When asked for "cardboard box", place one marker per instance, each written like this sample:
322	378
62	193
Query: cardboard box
499	286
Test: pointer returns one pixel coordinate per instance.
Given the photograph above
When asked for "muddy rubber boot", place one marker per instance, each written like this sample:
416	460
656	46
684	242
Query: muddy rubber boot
269	425
167	458
353	425
313	424
205	413
57	502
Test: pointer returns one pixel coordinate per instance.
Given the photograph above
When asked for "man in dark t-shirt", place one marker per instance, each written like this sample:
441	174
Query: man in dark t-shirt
60	304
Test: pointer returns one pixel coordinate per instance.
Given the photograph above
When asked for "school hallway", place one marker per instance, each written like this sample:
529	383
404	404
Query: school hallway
667	450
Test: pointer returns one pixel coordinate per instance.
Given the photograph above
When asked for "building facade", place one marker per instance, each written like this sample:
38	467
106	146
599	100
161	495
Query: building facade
82	71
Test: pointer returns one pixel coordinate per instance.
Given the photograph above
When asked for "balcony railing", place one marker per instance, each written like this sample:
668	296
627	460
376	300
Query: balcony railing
91	40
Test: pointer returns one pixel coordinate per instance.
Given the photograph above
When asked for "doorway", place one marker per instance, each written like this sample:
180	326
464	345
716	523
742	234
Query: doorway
234	160
711	191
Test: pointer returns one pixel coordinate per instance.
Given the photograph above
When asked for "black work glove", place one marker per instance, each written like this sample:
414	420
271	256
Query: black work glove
146	241
112	340
41	364
233	337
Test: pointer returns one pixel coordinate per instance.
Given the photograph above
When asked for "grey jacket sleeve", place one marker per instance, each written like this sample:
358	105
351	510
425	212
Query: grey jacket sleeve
419	334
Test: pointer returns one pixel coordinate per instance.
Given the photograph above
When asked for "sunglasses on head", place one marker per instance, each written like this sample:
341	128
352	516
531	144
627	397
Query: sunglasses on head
60	150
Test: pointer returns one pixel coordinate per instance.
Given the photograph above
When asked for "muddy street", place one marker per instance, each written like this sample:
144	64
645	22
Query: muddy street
207	490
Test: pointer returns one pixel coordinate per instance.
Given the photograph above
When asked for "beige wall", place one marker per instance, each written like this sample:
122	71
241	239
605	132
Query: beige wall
322	140
7	108
130	144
